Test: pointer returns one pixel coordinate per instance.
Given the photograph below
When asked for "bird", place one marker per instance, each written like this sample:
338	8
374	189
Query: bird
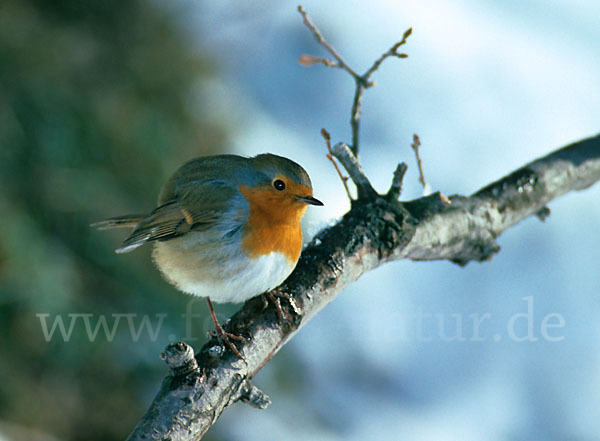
226	227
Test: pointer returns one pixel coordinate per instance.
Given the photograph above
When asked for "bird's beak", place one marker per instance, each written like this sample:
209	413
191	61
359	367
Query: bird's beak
309	200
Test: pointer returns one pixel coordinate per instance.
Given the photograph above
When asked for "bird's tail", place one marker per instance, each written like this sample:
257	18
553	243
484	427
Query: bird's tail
126	221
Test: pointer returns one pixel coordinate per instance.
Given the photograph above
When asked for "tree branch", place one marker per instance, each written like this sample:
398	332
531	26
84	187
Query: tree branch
343	178
350	162
376	230
362	82
340	61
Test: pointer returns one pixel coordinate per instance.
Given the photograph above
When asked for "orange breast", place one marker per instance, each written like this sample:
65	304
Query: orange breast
273	224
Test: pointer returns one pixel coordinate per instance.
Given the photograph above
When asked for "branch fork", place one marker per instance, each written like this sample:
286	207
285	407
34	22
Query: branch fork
348	155
362	82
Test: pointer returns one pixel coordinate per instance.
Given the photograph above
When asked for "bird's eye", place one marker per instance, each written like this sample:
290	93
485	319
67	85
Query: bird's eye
278	184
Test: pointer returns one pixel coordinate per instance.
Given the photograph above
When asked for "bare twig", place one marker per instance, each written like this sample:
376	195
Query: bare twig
415	146
396	187
344	179
342	64
355	116
362	81
255	397
392	52
350	162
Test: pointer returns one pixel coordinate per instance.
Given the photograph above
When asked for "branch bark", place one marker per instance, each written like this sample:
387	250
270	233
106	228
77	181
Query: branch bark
376	230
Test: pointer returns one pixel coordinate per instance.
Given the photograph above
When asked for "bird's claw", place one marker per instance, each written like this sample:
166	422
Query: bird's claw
226	337
275	297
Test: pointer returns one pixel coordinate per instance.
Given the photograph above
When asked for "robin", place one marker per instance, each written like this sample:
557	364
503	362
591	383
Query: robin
226	228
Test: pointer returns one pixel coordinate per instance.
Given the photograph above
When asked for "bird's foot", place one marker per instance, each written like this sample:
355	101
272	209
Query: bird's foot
275	297
226	338
222	334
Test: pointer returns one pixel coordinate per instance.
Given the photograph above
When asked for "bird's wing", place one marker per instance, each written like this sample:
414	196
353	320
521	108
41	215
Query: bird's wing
194	206
214	171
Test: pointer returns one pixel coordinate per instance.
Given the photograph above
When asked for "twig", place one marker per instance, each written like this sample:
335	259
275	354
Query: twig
255	397
396	187
325	44
392	52
355	117
350	162
344	179
415	146
362	81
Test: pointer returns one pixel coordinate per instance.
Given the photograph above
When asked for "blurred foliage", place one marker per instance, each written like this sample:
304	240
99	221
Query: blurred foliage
98	105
